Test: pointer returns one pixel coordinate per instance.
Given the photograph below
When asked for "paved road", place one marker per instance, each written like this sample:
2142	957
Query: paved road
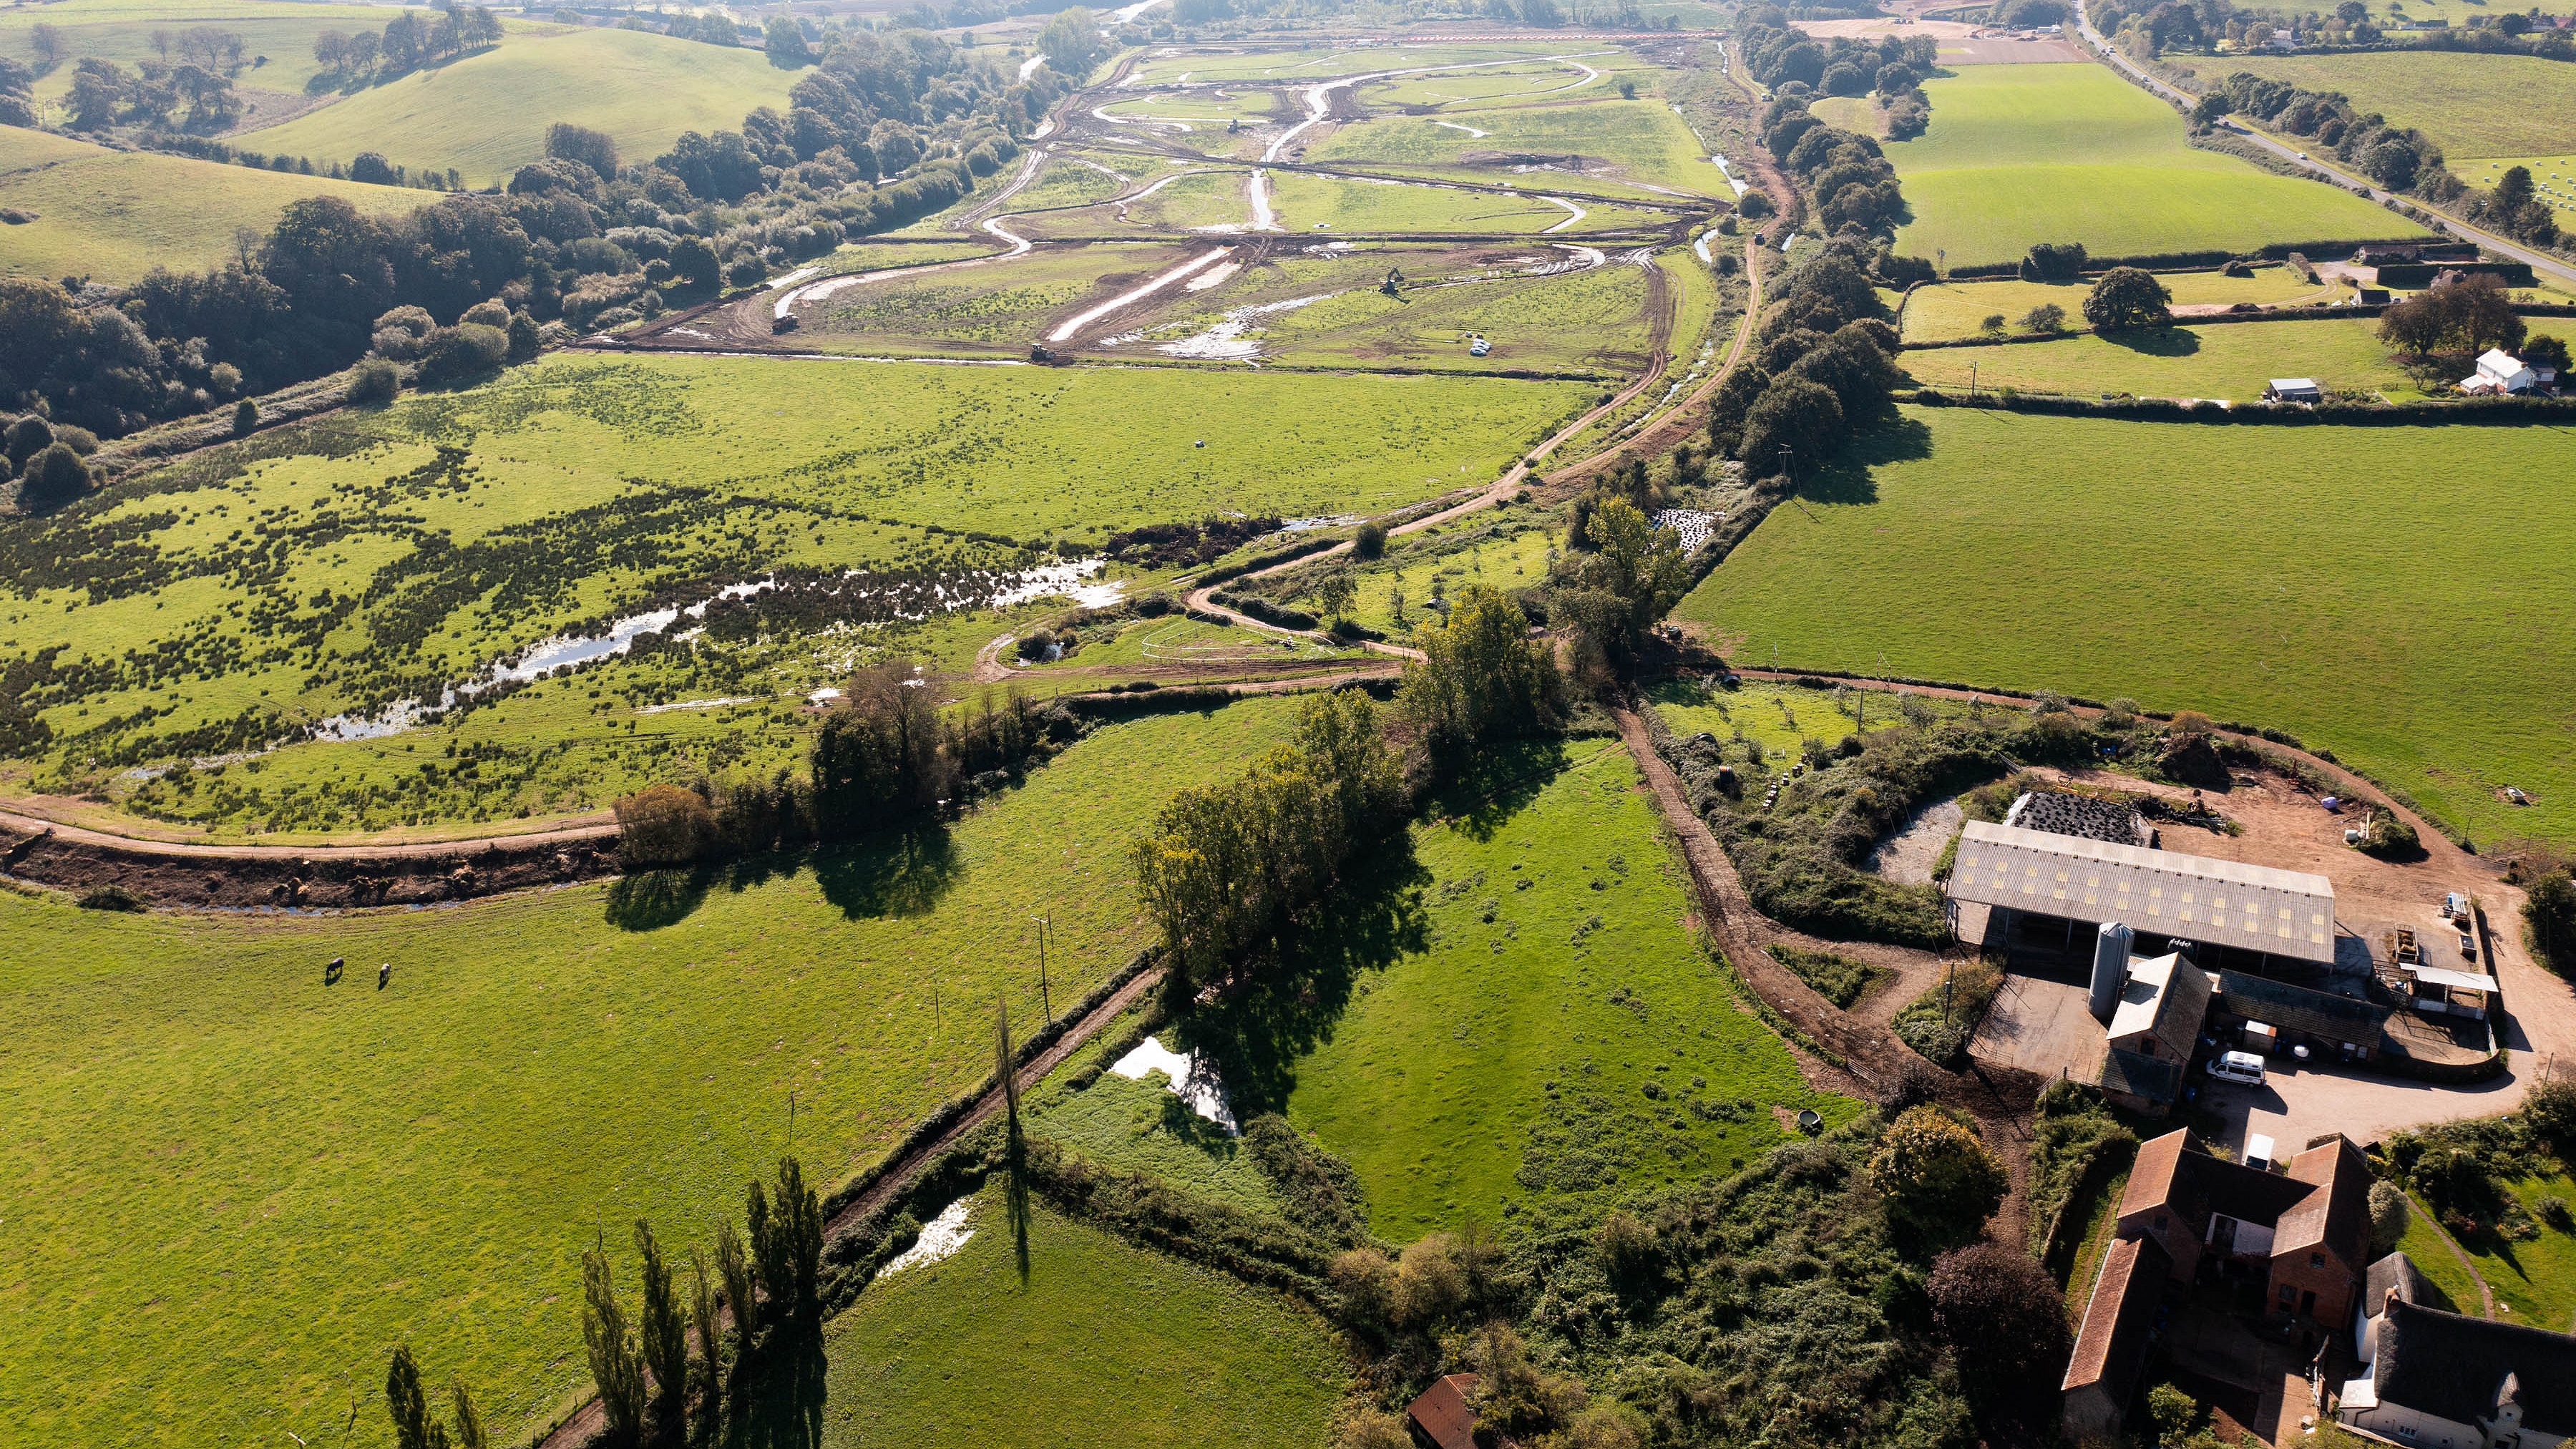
2539	261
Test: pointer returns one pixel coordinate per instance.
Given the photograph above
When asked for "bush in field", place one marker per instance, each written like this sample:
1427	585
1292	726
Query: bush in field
452	354
664	825
2005	1318
374	381
52	478
2046	317
245	418
1936	1175
2549	921
1370	541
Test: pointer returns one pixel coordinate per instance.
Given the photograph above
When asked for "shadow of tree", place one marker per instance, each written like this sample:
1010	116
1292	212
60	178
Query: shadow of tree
1847	476
1255	1038
1498	784
901	873
649	900
787	1411
2155	341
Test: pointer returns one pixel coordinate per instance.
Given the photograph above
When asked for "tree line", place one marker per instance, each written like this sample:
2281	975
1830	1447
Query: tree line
408	41
1824	369
1796	65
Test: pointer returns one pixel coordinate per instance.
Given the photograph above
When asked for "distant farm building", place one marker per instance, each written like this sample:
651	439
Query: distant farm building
2434	1378
2294	389
1442	1416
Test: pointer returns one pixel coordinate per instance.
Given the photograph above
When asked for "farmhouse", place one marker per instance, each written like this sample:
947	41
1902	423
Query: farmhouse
2035	878
2442	1380
2187	1217
2499	372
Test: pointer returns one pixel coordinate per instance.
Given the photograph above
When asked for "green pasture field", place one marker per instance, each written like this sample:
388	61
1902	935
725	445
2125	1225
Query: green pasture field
1641	140
2473	105
1778	718
121	31
1303	201
2552	177
1959	309
1304	65
1591	319
1067	181
1848	113
580	487
1142	1126
1198	199
1504	553
1209	109
1475	87
2019	154
115	215
1561	1033
1175	640
869	256
281	1179
487	114
2232	360
2534	1281
2331	581
1105	1346
995	310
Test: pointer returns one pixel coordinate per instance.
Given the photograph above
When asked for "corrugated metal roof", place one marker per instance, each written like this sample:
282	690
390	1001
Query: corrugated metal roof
2223	902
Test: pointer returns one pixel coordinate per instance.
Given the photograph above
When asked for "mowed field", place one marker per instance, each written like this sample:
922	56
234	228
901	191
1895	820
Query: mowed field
1959	309
2233	360
1560	1032
1106	1346
577	488
2018	154
114	215
2474	105
486	115
2389	593
235	1188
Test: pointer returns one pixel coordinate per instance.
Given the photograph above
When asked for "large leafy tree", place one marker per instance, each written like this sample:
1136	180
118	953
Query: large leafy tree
2126	299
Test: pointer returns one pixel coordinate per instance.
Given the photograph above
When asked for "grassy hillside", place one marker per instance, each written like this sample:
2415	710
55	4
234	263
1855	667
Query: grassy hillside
115	215
487	114
2018	154
1105	1345
1558	1031
275	1180
2474	105
2389	593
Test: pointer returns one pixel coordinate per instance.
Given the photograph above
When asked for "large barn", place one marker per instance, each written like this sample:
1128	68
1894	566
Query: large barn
2034	881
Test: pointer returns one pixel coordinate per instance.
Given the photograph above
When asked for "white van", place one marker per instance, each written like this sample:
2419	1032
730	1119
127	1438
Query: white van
2244	1068
2258	1152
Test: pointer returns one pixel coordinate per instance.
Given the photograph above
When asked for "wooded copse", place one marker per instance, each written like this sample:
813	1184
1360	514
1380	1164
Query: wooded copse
1228	869
887	755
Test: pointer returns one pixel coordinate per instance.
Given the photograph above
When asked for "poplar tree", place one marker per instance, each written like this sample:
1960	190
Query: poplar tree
665	1335
615	1365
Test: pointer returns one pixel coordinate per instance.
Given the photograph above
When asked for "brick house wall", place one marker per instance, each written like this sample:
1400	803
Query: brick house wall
2317	1270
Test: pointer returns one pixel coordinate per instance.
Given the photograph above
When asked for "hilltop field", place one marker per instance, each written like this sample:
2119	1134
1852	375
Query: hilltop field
2019	154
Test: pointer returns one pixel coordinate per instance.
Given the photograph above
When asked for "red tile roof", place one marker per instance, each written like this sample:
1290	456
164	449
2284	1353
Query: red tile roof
1443	1413
2111	1347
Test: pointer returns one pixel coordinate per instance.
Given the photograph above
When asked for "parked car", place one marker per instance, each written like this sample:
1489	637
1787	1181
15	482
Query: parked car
2243	1068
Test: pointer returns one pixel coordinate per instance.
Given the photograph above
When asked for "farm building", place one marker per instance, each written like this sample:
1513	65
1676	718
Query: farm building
2151	1022
2111	1349
2447	1381
2294	389
2038	887
1442	1416
2060	812
2275	1016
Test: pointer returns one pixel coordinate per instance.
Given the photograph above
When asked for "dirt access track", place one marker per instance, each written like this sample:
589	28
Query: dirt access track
312	877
